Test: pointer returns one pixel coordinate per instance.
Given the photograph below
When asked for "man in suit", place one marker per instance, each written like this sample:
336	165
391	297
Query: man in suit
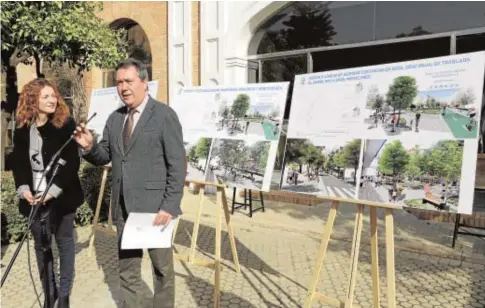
143	141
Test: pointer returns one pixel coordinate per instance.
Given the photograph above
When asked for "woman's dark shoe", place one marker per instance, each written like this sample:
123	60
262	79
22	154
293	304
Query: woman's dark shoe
63	302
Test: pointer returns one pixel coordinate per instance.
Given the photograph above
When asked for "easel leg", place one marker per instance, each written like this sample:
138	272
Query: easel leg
321	254
195	231
374	257
250	204
233	199
110	219
217	283
230	232
455	231
262	200
98	209
391	277
355	256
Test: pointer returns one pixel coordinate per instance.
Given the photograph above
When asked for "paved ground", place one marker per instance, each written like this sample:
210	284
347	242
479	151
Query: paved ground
240	180
327	185
255	130
430	126
194	173
277	250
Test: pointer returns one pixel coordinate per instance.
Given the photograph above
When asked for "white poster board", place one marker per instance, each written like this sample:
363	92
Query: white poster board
105	101
231	132
415	123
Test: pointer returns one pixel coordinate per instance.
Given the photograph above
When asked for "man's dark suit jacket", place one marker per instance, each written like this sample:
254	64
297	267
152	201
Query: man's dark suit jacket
153	167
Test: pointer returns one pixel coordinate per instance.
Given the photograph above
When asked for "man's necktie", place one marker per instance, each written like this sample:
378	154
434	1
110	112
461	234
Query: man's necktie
128	129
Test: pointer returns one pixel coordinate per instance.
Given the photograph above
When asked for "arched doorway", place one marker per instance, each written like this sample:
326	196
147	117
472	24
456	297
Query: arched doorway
139	48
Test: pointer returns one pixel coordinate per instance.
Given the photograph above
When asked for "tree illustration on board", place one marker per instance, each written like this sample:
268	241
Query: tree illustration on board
401	94
240	107
394	159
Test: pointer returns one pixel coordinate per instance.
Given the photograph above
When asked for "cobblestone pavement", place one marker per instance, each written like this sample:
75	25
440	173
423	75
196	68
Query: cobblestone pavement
276	267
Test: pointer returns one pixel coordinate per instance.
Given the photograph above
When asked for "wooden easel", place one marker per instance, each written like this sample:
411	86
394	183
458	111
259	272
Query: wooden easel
391	279
96	227
216	264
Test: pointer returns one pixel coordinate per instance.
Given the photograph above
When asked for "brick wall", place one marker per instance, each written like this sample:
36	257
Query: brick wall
475	220
152	17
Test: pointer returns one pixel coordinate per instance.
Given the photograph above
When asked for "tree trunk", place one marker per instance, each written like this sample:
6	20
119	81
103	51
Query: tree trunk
79	98
38	71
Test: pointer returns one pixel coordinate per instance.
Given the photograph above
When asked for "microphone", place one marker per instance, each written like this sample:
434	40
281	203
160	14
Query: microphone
58	153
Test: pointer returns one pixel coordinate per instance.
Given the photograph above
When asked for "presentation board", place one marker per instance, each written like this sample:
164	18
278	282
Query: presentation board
231	133
404	133
106	100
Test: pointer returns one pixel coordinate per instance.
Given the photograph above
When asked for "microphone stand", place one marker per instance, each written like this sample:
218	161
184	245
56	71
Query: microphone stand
44	238
55	162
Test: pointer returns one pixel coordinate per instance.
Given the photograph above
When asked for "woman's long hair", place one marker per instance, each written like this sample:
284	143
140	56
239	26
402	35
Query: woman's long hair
28	107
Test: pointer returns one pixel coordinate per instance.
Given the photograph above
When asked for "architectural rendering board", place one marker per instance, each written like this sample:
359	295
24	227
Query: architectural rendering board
244	125
411	111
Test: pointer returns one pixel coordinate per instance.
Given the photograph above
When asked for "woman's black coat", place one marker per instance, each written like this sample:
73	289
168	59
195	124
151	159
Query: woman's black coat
67	177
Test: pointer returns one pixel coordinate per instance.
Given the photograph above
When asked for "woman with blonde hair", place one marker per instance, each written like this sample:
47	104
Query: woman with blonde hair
43	126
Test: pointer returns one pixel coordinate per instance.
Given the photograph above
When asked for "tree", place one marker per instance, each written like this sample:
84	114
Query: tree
259	153
203	147
275	112
371	96
393	159
303	19
465	97
351	156
446	159
413	167
56	32
231	153
294	151
417	31
401	93
240	106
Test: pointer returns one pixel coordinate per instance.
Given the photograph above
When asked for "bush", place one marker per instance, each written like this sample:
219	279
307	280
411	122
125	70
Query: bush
14	224
91	182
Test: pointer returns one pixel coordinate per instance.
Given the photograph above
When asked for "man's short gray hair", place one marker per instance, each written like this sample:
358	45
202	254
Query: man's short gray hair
140	67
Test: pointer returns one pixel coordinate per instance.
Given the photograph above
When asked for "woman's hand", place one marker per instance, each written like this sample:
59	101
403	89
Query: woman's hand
28	196
47	198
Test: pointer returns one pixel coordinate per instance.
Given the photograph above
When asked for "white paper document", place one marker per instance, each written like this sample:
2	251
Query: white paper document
140	233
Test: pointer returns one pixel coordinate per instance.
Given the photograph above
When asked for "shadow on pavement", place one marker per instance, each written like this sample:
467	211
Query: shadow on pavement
107	259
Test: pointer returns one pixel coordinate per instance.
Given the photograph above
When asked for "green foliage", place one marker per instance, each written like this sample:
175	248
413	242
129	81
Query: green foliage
240	106
63	32
413	167
402	92
235	154
203	147
14	224
393	159
84	215
259	153
91	177
446	159
442	161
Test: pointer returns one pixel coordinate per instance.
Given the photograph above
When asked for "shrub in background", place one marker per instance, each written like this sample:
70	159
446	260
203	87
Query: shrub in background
14	224
91	182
